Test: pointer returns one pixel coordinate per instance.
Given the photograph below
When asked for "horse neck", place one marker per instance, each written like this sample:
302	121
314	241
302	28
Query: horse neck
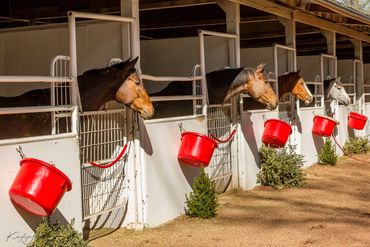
218	83
95	91
286	84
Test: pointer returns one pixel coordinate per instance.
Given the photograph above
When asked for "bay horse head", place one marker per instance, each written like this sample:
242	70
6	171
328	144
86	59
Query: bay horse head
293	83
118	82
254	82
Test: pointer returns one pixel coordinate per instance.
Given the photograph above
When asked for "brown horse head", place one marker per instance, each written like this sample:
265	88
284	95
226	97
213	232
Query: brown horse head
293	83
118	82
132	92
254	82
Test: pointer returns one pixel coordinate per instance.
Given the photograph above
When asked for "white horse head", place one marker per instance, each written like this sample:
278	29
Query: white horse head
334	89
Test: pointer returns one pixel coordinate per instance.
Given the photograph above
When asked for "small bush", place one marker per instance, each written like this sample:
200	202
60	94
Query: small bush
280	168
328	155
56	235
202	202
357	145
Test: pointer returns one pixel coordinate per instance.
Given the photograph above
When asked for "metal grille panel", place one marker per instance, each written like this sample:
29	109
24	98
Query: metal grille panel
102	137
219	124
61	95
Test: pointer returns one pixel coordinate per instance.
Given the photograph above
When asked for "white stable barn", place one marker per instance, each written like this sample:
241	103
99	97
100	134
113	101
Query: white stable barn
148	187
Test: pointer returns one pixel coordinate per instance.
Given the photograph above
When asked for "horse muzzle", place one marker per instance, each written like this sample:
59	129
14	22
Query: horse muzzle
272	106
308	101
147	113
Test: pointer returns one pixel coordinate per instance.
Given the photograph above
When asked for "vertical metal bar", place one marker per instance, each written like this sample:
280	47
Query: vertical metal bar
73	69
203	71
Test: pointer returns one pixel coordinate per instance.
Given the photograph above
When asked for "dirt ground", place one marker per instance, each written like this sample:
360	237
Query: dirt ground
333	209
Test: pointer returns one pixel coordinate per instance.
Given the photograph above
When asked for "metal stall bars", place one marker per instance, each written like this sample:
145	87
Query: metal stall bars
69	109
220	119
285	61
358	80
60	93
350	87
318	88
103	134
196	97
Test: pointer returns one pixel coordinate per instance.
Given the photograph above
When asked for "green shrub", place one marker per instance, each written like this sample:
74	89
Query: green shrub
328	155
56	235
357	145
202	202
280	168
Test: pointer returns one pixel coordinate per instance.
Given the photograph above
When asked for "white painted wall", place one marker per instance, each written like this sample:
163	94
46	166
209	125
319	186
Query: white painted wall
311	144
167	180
252	127
17	228
30	52
345	70
252	57
310	67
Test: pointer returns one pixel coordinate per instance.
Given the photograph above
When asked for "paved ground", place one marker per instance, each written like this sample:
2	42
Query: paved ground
333	209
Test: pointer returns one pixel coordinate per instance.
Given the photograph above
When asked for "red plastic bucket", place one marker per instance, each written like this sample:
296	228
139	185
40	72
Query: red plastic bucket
39	187
276	133
323	125
196	149
356	121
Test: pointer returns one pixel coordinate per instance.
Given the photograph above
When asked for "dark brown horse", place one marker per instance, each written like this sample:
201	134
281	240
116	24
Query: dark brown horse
118	82
222	85
293	83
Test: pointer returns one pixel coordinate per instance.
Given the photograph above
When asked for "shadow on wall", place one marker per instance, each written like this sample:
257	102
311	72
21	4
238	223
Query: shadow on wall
249	136
298	123
190	172
146	145
92	231
33	220
318	141
351	132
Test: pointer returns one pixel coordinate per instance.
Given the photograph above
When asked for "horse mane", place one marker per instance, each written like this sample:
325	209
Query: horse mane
245	74
103	71
328	84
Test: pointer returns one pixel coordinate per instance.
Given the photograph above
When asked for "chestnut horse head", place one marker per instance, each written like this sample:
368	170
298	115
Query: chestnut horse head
293	83
118	82
254	82
333	89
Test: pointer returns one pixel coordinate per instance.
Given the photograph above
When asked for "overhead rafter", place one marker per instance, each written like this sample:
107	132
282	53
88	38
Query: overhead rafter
303	17
172	4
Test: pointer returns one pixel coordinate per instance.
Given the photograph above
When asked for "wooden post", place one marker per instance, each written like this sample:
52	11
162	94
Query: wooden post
131	37
358	75
232	11
290	40
137	176
330	41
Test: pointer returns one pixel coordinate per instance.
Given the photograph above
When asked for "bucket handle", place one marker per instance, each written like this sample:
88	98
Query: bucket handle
114	161
227	139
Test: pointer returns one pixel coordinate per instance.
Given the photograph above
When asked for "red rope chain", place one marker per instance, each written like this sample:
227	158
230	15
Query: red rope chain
113	162
227	139
344	152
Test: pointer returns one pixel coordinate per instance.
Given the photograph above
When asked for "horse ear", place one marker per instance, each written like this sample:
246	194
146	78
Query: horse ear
338	78
131	64
299	71
260	67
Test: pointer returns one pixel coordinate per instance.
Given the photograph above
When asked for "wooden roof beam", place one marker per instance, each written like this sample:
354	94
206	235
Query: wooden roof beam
303	17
